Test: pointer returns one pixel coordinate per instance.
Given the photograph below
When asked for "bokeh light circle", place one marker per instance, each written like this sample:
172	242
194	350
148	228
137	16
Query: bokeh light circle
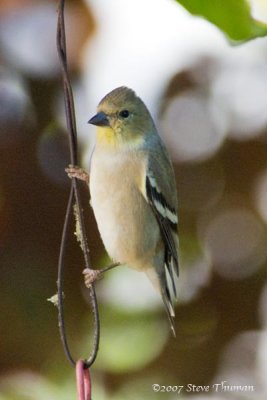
193	127
236	241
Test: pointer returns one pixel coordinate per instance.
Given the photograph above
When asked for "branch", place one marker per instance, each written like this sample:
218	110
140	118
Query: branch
74	195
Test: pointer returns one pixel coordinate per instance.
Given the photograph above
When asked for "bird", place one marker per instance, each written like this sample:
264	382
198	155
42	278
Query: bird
133	192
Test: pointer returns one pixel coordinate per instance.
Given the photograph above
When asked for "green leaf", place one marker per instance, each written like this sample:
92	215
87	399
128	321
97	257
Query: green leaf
233	17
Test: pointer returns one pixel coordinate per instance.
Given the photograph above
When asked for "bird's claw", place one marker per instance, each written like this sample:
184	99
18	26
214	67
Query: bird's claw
73	171
90	276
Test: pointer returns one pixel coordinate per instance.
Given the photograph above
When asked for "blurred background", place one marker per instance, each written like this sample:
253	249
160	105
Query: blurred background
209	98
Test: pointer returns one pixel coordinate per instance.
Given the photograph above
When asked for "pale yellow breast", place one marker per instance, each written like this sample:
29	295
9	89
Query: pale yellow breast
126	223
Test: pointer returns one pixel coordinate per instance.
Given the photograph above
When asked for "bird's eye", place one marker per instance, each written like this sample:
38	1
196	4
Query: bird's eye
124	114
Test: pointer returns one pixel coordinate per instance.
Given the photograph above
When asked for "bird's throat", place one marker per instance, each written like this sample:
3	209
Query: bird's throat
106	136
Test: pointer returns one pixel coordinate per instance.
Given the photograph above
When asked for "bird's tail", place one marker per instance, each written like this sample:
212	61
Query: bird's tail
168	303
162	284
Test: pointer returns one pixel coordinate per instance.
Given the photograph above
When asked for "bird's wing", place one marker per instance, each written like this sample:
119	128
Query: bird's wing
161	195
166	216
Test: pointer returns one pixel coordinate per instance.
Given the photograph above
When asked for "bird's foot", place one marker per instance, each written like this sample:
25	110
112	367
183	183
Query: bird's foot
74	171
92	275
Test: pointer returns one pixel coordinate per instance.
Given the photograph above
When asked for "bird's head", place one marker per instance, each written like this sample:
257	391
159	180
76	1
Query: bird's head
122	117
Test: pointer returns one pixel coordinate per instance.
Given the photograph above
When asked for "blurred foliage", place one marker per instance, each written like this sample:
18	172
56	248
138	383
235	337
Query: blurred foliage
119	329
233	17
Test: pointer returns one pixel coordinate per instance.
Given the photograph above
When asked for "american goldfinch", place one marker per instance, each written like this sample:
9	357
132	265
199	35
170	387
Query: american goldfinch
133	192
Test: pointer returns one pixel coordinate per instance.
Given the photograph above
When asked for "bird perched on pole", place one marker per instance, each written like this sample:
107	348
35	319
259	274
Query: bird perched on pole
133	191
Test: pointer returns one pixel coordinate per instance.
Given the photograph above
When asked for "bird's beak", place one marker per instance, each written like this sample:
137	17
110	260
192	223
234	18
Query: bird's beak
100	119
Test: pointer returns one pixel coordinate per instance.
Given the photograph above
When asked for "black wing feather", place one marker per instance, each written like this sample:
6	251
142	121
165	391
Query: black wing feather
167	227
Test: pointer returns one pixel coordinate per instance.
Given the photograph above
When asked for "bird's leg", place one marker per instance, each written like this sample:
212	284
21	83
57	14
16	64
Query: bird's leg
74	171
92	275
